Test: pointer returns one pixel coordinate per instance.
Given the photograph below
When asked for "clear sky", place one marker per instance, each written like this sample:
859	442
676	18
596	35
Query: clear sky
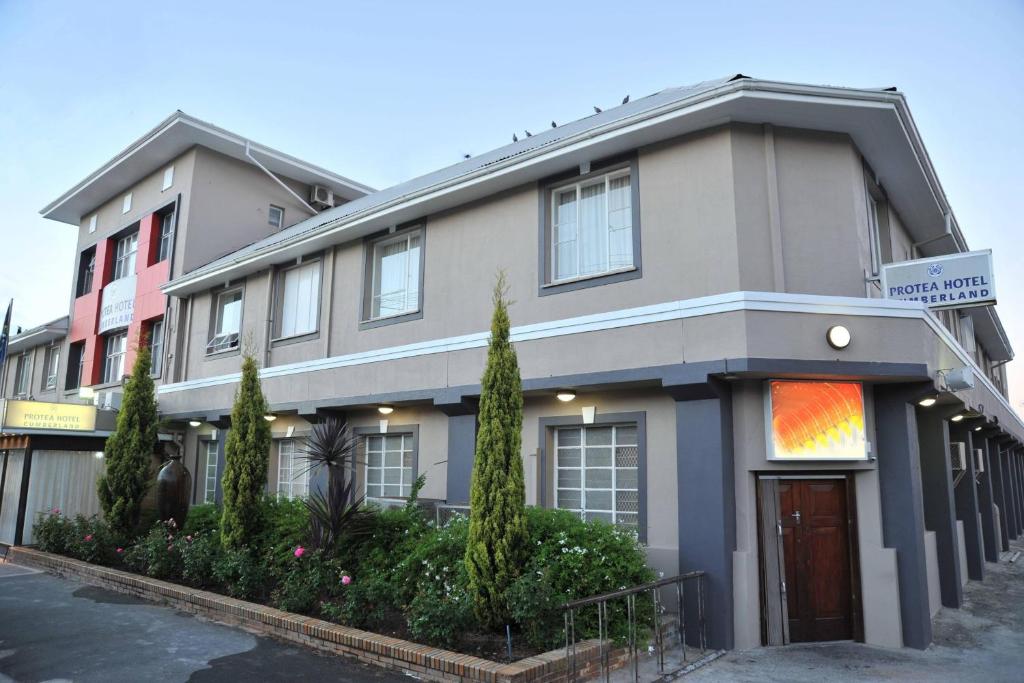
381	92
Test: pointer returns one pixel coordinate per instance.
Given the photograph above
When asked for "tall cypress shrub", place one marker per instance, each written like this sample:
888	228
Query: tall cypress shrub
129	449
497	498
246	457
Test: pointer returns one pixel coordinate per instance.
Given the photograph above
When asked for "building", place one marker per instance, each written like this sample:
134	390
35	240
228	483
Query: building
180	195
708	354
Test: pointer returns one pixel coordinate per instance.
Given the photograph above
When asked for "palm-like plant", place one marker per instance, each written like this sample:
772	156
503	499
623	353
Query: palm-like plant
336	511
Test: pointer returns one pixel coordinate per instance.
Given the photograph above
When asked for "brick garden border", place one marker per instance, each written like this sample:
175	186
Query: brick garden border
421	661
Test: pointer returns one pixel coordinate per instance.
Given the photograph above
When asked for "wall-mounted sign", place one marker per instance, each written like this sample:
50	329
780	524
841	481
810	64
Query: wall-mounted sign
953	281
118	304
815	421
42	415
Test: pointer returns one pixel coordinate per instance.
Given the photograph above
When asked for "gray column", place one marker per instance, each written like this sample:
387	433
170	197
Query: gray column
986	500
461	450
1017	488
1009	492
965	495
939	506
899	482
707	501
995	462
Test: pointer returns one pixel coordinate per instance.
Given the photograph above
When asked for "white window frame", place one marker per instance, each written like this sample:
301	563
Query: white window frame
375	295
126	203
51	362
156	347
577	187
292	471
210	471
168	178
125	255
221	339
584	509
280	220
313	303
92	223
166	235
408	446
113	358
874	234
21	375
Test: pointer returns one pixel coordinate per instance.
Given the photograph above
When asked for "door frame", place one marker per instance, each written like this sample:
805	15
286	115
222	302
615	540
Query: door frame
853	550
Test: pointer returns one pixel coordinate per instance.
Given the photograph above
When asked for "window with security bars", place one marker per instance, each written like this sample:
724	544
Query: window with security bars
292	470
210	473
597	473
389	465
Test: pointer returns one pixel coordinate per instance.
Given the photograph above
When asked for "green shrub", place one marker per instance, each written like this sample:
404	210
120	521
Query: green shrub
202	519
52	532
242	573
199	553
571	559
311	579
157	554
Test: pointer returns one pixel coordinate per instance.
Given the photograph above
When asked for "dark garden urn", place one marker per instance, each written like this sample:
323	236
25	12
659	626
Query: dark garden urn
173	485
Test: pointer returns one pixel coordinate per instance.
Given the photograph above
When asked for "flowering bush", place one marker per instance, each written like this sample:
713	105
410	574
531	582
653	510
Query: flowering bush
158	553
83	538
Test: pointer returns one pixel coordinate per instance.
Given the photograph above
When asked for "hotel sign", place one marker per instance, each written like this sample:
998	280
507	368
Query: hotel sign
41	415
954	281
118	304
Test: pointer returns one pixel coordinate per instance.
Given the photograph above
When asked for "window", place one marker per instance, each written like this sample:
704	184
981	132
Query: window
113	361
52	360
124	256
395	275
592	227
21	372
156	347
126	203
227	321
275	216
292	471
92	223
389	465
168	178
210	478
298	302
86	271
166	236
873	234
76	354
597	473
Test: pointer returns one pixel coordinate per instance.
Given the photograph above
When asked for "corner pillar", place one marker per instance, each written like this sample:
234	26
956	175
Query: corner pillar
965	494
986	500
939	504
461	449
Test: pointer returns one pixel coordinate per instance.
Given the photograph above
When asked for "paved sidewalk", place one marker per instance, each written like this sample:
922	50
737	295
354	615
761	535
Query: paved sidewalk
983	641
53	629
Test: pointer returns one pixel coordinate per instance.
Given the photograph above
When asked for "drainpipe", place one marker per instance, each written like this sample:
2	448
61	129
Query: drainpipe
248	153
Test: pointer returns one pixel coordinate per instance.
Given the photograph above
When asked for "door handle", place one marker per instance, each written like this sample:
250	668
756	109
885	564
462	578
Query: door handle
796	516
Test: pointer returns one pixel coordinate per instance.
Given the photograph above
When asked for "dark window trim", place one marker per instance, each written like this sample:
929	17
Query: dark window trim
393	430
170	209
69	368
211	325
278	280
84	256
545	287
47	351
163	348
366	287
546	427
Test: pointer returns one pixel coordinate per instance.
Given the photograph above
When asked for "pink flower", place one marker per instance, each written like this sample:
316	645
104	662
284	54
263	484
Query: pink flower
300	551
55	511
119	551
188	538
88	537
170	548
346	580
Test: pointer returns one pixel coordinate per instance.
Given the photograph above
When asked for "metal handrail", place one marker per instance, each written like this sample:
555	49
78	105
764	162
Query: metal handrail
629	594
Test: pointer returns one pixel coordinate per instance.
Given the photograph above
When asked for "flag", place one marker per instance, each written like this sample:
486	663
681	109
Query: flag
5	334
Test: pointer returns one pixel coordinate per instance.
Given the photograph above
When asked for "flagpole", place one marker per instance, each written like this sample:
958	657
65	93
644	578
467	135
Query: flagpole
5	332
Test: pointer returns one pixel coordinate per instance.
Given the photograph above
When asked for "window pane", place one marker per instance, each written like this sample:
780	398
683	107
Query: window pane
300	299
568	457
569	437
599	500
627	456
620	223
593	231
396	276
373	476
626	478
393	459
569	500
625	436
599	457
373	490
599	436
569	479
601	516
598	479
229	317
627	501
392	490
374	458
564	235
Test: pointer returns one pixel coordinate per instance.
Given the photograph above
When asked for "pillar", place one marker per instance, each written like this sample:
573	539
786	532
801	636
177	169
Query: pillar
965	495
986	499
1009	491
461	449
999	488
939	505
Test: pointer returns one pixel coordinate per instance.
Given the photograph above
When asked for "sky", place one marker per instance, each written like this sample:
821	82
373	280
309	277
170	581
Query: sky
384	91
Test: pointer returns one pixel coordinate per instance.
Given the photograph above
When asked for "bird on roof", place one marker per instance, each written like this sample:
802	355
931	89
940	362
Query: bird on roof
625	99
528	133
515	138
597	110
554	125
465	156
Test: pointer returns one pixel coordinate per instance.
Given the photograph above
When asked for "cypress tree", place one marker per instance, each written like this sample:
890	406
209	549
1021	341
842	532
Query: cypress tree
129	449
497	498
246	457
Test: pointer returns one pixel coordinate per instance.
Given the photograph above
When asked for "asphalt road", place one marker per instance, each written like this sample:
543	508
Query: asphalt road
53	629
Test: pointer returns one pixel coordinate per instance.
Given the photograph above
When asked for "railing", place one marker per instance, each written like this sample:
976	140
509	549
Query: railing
445	512
600	602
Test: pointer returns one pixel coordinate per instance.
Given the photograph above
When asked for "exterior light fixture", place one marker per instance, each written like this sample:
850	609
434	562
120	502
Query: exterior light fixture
565	395
978	428
385	409
98	455
87	393
270	417
194	423
838	337
957	418
927	402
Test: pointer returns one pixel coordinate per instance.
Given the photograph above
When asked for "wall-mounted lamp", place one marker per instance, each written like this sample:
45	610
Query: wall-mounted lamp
565	395
385	409
957	418
194	423
98	455
270	417
927	402
978	428
838	337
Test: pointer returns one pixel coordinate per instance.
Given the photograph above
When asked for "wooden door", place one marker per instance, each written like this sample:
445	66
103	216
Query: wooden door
816	548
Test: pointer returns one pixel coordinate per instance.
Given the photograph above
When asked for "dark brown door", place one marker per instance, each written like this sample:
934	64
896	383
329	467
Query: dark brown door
816	546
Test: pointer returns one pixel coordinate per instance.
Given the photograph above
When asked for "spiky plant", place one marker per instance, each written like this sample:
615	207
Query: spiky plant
332	446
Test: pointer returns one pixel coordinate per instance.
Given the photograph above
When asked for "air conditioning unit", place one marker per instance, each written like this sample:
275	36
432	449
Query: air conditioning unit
958	455
108	400
959	379
321	197
979	461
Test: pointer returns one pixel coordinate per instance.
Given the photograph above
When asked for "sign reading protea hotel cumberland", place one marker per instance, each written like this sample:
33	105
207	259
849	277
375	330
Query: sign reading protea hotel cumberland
953	281
118	304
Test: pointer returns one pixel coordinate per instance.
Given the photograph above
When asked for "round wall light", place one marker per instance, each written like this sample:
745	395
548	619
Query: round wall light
385	410
838	337
978	428
565	395
270	417
194	423
927	402
99	455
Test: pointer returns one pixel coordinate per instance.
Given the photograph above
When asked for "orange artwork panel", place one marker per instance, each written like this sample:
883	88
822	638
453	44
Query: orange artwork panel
812	420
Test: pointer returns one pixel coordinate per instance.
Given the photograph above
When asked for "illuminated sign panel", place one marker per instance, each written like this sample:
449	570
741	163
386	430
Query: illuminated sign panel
42	415
816	421
954	281
118	304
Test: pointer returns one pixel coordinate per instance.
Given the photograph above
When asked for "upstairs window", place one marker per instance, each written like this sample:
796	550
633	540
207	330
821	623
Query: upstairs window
156	347
298	300
166	236
113	362
395	275
86	271
168	178
275	216
592	227
227	321
76	354
52	360
124	256
21	372
292	470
